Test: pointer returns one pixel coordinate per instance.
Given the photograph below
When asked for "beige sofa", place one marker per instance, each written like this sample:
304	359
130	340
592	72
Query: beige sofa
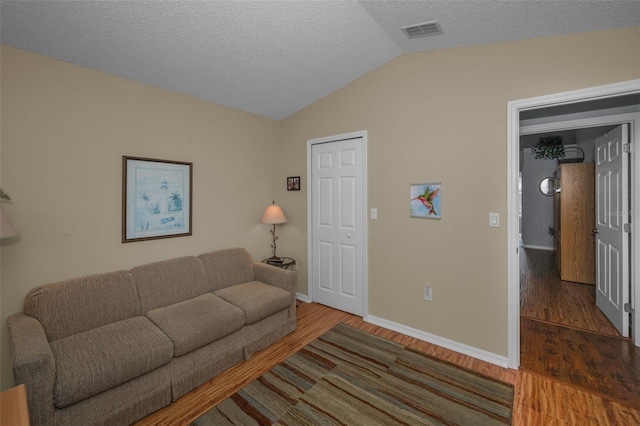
109	349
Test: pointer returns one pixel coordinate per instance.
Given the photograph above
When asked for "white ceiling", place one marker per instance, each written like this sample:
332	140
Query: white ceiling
273	58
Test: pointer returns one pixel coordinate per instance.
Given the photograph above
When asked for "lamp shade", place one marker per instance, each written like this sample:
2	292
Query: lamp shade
7	230
273	215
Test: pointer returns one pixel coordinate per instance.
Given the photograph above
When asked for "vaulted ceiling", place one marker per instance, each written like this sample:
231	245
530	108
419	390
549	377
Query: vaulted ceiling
273	58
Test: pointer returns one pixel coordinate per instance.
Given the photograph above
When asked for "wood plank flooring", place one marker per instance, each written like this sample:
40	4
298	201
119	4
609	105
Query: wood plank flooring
543	296
602	364
537	400
565	338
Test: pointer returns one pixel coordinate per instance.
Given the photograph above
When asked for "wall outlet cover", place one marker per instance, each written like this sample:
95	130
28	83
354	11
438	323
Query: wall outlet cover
428	294
494	220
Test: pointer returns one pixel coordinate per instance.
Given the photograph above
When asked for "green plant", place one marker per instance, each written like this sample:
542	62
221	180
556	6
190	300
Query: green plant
4	197
548	147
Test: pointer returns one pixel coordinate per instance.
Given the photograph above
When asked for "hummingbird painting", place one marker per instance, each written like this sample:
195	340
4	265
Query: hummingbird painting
426	198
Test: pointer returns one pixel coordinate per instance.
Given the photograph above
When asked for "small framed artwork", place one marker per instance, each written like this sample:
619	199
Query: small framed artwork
156	199
424	200
293	183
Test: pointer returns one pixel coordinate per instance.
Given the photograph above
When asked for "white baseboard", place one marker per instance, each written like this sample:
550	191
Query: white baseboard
537	247
303	298
481	354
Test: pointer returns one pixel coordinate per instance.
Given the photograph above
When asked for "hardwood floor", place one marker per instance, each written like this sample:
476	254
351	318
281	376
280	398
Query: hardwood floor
544	297
565	338
537	400
601	364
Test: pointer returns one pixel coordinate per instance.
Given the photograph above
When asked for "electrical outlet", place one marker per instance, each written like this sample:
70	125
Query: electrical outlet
428	294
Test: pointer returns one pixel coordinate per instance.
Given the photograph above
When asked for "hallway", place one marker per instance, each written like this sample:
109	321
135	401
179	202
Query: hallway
565	337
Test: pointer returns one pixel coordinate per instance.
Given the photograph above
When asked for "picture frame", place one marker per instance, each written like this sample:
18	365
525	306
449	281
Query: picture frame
157	198
293	183
424	200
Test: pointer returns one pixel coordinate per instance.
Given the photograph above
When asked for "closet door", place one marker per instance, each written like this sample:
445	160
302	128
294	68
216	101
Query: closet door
338	229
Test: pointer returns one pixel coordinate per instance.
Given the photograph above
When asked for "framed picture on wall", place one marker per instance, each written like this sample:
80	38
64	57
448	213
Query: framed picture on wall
293	183
424	200
156	199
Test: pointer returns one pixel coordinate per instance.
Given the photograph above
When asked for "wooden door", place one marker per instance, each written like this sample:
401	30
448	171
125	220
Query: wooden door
577	219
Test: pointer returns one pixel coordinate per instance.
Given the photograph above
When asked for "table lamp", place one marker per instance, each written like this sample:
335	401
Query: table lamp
273	215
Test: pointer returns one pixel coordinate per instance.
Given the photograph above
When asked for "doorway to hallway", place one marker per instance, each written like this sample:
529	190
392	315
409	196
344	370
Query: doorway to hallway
546	113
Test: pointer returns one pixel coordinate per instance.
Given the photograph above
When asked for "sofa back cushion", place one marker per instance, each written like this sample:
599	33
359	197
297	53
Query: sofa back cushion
171	281
80	304
228	267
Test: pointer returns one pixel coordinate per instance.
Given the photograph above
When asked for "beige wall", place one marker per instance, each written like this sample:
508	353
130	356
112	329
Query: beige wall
441	116
64	131
433	116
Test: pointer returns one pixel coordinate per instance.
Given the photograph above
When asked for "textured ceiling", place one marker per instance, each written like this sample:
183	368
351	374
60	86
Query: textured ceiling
273	58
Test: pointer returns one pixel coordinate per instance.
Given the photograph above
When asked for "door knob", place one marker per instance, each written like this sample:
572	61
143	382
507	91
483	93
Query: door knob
594	231
348	235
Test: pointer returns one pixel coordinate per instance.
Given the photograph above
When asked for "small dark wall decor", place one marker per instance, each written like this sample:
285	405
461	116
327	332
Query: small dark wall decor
293	183
156	199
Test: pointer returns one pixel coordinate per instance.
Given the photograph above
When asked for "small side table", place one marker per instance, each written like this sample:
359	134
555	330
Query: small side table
13	407
287	262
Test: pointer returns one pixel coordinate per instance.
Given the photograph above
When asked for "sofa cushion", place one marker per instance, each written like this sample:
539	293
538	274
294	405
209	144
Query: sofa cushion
170	281
257	300
81	304
228	267
96	360
197	322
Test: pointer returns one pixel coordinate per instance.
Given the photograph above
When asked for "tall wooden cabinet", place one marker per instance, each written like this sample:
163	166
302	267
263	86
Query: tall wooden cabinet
574	220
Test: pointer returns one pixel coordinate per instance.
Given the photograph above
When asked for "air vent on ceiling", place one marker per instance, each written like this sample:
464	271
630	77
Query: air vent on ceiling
422	30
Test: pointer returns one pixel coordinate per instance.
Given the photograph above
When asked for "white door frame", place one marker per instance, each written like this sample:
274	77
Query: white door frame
513	166
365	208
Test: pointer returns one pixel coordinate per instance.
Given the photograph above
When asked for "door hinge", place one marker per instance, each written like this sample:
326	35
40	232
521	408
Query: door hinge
627	228
628	308
626	148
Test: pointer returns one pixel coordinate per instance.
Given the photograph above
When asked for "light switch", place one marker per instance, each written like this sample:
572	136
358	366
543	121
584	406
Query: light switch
374	214
494	220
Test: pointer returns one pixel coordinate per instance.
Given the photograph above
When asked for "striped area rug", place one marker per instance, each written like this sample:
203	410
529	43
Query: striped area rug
350	377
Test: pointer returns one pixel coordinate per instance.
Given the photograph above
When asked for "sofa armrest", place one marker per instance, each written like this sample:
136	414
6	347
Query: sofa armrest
33	365
275	276
278	277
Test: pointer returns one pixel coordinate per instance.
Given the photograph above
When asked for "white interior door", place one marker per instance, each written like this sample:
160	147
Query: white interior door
337	224
612	213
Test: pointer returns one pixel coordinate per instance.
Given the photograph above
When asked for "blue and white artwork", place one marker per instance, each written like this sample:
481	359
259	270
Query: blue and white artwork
157	199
